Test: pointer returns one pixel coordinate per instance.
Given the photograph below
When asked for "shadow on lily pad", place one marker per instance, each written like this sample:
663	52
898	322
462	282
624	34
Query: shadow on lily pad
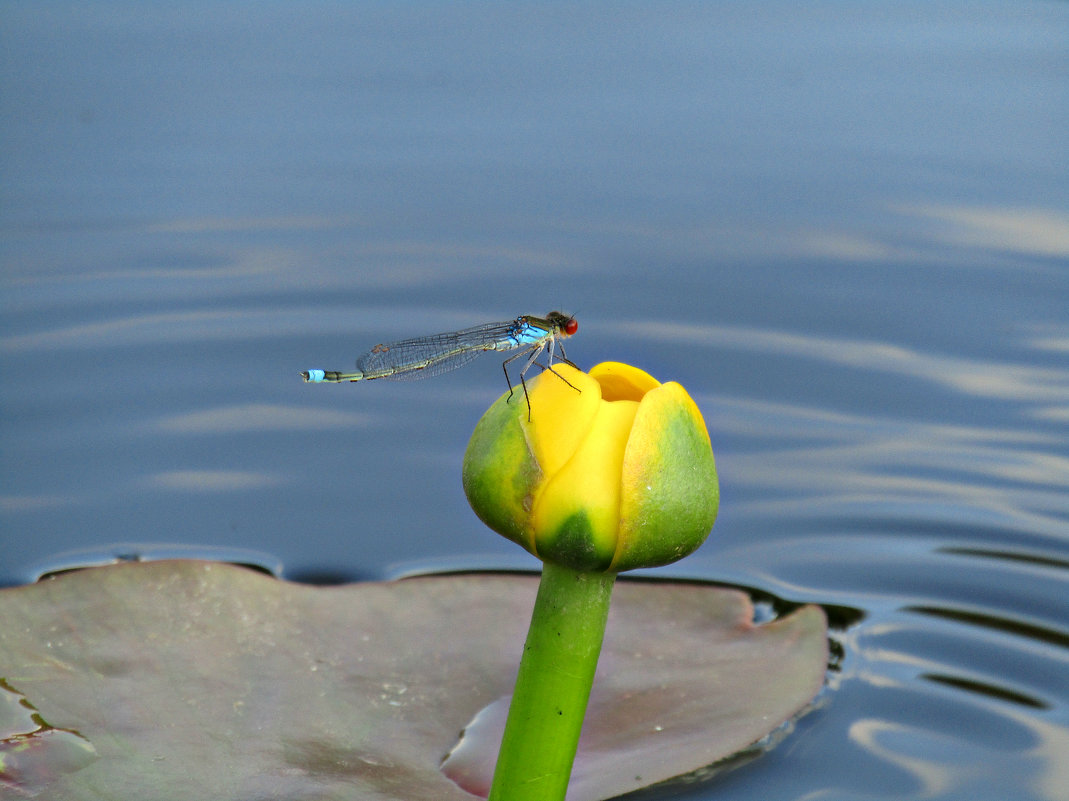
186	679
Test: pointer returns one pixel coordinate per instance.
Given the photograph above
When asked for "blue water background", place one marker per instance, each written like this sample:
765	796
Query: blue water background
844	227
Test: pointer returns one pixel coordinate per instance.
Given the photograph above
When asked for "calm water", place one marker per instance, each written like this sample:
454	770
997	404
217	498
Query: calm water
843	227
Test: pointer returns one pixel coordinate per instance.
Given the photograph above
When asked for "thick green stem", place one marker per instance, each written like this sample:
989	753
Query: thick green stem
553	685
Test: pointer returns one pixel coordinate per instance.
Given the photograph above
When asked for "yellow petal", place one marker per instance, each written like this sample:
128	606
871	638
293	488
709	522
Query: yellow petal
563	404
575	518
621	381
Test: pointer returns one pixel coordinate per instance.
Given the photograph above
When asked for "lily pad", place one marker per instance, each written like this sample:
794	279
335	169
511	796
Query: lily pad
186	679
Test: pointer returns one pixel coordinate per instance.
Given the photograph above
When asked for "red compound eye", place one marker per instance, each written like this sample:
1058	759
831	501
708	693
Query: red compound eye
571	327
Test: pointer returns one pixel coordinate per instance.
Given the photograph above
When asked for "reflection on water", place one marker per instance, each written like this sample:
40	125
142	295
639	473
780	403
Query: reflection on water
842	227
1039	232
983	379
260	417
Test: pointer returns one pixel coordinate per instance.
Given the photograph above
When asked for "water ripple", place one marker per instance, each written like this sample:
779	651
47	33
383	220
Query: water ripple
974	377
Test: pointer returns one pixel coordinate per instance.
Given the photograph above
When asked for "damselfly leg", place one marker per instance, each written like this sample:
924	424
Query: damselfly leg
532	359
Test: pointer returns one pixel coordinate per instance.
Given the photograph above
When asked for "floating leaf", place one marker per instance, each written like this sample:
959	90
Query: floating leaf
185	679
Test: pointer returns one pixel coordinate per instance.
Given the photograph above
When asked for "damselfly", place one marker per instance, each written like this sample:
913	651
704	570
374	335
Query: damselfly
426	356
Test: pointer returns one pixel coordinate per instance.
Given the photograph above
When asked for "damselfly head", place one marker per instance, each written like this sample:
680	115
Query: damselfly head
565	324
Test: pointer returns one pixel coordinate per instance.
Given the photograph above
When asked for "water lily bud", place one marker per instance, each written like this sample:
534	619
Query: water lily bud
613	471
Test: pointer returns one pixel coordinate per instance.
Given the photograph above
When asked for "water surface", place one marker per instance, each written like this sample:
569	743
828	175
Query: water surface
843	227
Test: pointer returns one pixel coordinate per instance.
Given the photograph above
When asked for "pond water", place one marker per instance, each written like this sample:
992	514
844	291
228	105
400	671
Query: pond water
843	227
